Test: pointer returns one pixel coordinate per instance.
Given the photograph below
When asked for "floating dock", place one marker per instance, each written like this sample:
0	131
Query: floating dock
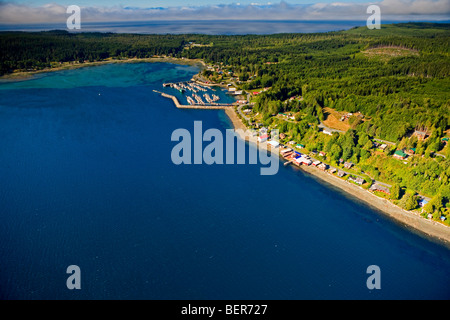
194	106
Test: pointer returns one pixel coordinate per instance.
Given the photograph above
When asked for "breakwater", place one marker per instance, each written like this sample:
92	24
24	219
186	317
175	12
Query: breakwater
218	106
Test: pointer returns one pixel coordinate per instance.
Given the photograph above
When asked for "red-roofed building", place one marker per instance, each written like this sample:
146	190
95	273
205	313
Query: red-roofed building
263	138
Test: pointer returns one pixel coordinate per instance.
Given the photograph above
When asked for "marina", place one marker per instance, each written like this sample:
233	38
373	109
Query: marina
192	105
187	86
198	96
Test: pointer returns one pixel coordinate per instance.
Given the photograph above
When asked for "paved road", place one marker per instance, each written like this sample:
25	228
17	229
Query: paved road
239	109
440	155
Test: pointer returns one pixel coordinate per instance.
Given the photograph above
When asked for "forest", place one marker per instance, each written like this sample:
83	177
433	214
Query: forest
397	78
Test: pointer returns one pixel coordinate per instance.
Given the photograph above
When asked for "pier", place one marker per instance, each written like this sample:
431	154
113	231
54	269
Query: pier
288	162
194	106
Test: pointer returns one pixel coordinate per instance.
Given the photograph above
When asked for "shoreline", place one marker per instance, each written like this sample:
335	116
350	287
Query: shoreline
418	224
415	223
27	75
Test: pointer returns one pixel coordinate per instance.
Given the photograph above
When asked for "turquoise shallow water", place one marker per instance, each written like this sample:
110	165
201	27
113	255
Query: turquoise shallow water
87	179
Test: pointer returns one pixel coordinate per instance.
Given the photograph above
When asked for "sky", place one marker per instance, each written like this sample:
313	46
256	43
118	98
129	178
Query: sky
48	11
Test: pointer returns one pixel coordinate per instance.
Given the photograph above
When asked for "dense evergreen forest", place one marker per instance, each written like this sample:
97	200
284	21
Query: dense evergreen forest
396	78
332	69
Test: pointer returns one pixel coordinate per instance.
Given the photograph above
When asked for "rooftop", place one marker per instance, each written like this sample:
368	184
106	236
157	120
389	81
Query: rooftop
400	153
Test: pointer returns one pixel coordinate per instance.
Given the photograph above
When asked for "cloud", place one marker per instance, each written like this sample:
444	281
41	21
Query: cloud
11	13
415	7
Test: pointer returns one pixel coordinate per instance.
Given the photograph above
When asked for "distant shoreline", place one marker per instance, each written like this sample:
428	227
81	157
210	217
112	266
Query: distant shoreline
25	75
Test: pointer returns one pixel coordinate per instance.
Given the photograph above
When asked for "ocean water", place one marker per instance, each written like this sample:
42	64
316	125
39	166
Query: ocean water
217	27
87	179
227	27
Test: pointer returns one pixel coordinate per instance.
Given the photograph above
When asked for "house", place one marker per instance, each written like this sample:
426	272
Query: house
423	203
383	146
443	218
348	165
411	152
445	140
316	163
399	154
322	154
282	136
380	188
322	166
263	138
356	180
341	174
300	146
274	143
421	135
302	160
288	155
333	170
360	181
328	132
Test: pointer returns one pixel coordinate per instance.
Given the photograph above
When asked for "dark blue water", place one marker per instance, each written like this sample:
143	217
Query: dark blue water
87	179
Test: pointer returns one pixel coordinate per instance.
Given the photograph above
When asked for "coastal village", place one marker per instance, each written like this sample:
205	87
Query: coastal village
364	112
297	154
292	152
